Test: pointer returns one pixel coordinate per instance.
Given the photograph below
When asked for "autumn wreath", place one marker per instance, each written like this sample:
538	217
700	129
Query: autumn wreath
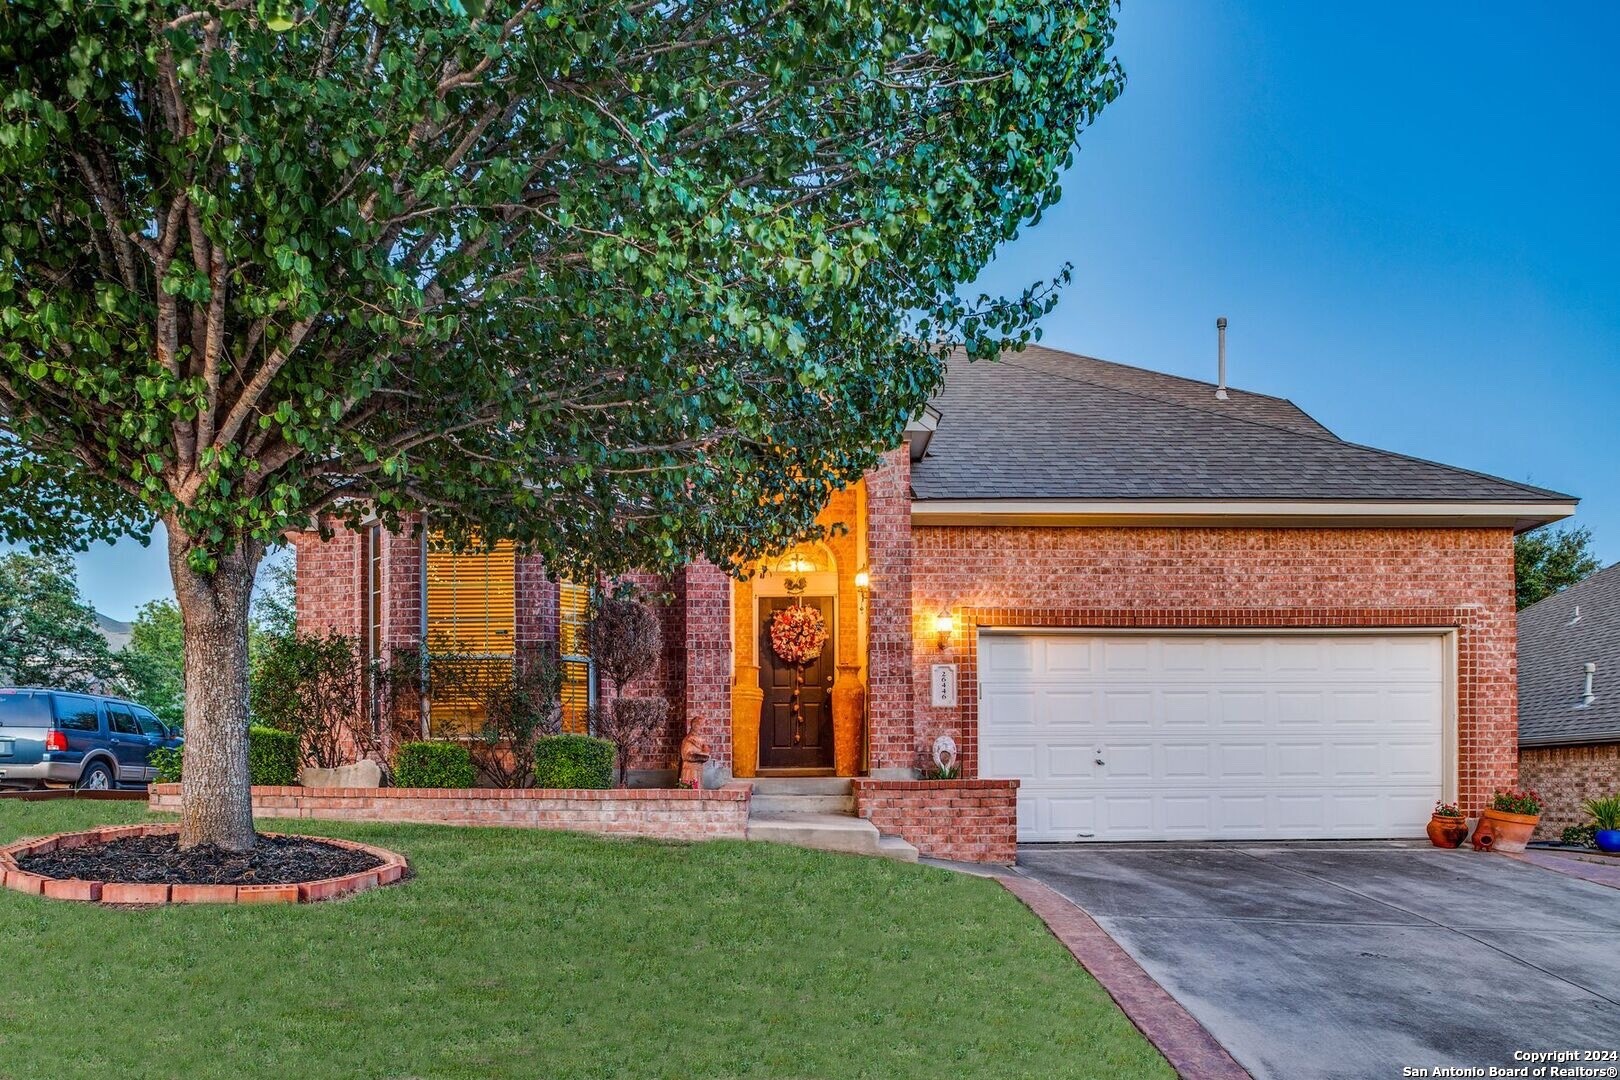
797	634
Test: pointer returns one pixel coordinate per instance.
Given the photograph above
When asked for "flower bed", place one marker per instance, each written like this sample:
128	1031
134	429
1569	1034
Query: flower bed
661	813
368	867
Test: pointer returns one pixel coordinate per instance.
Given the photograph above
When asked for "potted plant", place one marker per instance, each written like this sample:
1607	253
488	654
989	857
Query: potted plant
1606	822
1447	826
1507	823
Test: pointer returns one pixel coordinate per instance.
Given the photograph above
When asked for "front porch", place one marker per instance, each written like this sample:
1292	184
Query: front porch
846	712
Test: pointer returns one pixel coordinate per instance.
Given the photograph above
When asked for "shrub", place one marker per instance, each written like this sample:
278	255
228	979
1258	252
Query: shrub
625	640
435	765
632	725
573	761
1515	801
1579	836
166	760
272	759
1605	812
310	685
522	706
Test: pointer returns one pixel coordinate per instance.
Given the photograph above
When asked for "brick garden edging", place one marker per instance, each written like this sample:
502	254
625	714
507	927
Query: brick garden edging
393	868
1185	1043
964	820
660	813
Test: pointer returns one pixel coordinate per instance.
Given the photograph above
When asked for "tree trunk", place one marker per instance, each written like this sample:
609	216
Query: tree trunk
216	805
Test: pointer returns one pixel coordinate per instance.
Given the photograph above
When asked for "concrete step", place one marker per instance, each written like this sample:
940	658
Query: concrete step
772	803
802	785
892	847
828	832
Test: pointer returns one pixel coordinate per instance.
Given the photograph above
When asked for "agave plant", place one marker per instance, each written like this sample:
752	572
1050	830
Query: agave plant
1605	811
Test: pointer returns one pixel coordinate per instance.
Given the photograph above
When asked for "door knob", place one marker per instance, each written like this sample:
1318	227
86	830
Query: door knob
1100	761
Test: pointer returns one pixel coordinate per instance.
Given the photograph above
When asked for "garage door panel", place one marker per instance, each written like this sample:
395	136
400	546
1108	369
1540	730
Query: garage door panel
1239	736
1187	708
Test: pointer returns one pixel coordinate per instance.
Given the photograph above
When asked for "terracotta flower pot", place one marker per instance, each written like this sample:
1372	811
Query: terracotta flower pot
1447	832
1499	831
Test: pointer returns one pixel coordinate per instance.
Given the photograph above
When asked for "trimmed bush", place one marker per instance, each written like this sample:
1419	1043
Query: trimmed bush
273	757
434	764
166	760
573	761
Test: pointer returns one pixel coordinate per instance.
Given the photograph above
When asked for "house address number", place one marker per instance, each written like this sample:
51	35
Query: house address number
944	686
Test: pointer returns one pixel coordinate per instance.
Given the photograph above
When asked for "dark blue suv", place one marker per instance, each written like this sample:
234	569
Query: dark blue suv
81	740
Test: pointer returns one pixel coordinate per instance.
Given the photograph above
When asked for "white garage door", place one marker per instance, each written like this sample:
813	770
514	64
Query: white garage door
1215	736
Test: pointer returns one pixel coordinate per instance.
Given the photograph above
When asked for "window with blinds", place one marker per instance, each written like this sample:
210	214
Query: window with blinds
471	619
573	618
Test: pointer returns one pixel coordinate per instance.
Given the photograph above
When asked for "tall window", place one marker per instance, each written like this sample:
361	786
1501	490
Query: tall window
573	616
471	624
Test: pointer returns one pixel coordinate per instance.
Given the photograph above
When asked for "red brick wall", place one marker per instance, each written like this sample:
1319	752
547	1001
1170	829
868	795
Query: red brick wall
966	820
326	589
704	597
890	559
1214	577
668	813
1566	776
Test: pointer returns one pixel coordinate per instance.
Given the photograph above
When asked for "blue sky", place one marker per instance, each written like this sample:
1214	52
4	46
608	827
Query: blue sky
1410	216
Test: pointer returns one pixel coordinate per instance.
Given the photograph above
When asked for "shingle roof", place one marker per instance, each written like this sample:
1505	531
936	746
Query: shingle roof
1043	424
1554	648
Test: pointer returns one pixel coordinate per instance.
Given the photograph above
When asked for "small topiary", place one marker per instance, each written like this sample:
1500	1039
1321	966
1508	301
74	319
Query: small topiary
573	761
435	765
273	757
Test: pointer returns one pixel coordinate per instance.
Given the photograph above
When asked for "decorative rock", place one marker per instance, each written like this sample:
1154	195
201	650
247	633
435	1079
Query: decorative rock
361	774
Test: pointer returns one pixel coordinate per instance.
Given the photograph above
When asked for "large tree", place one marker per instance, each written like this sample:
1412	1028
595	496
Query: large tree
626	282
1549	560
48	635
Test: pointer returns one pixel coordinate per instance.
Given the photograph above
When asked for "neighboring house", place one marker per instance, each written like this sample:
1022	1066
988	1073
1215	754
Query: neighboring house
117	633
1569	698
1169	612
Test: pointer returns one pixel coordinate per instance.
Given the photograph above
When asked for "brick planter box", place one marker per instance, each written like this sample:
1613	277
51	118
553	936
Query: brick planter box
661	813
966	820
114	892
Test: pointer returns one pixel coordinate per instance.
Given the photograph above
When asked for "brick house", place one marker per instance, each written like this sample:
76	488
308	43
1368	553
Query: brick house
1167	610
1569	708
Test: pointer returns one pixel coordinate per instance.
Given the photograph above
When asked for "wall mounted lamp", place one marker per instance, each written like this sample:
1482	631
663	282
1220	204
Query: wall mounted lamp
944	626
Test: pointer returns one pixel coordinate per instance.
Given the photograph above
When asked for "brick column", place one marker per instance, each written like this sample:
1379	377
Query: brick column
892	740
704	596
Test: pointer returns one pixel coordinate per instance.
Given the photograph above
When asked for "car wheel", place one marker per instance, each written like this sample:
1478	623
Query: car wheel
97	776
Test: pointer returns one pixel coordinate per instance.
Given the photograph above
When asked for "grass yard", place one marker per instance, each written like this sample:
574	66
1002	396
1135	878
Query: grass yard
517	953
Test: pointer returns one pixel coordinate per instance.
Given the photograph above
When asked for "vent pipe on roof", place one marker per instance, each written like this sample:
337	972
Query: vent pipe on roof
1588	695
1220	335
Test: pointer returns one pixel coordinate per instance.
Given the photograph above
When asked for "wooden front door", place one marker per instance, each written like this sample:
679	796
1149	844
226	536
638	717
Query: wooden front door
778	746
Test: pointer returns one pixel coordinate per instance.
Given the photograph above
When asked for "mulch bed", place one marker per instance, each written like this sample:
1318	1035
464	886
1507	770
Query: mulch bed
158	860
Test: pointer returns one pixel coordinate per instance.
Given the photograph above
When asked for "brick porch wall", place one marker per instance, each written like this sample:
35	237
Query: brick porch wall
1218	577
667	814
1566	776
966	820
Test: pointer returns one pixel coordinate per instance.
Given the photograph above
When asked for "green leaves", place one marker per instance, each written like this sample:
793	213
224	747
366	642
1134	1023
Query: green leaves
627	284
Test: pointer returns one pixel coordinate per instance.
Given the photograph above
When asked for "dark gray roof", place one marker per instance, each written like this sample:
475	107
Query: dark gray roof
1043	424
1554	648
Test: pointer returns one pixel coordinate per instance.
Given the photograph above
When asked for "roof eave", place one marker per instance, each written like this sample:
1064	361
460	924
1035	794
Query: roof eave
1289	513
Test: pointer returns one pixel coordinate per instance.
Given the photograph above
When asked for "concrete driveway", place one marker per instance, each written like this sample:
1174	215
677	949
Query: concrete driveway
1357	960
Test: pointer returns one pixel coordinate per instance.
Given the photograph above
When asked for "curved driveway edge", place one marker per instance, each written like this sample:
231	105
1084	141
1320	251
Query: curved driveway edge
1191	1050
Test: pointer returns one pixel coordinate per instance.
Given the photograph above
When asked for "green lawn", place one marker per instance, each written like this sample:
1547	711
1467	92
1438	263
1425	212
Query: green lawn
517	953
